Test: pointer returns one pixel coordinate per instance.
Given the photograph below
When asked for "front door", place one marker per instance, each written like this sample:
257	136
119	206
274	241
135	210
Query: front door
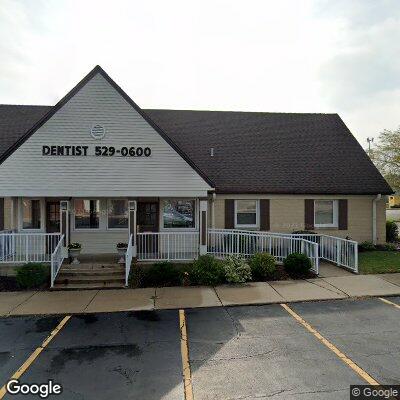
147	222
52	224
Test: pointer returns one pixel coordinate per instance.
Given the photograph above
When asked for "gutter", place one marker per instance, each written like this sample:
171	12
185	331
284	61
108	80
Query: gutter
374	201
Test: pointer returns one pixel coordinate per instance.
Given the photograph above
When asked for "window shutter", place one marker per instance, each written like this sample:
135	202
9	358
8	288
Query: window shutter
343	214
229	214
1	214
264	215
309	214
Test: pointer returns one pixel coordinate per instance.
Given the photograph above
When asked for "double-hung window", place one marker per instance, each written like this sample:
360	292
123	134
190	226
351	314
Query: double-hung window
31	214
87	214
118	214
246	214
326	213
178	214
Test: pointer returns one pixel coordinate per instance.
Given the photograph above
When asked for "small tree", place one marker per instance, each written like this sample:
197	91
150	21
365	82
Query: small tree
386	156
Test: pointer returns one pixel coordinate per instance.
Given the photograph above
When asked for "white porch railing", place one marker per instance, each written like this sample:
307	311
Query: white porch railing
166	246
57	258
342	252
128	259
223	242
27	247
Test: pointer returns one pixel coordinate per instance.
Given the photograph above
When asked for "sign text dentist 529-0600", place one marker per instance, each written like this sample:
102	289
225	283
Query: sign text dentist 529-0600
98	151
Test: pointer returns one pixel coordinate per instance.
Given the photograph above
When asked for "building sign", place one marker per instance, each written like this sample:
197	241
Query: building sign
98	151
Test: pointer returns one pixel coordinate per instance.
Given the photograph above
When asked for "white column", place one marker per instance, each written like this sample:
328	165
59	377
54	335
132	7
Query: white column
64	221
203	227
132	206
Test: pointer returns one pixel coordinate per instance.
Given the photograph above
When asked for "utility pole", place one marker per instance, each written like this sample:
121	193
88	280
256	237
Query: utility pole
369	140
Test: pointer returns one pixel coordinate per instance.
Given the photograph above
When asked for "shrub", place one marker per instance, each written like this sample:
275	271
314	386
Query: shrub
262	265
206	270
392	231
366	246
236	269
136	276
303	232
162	274
386	247
297	264
32	275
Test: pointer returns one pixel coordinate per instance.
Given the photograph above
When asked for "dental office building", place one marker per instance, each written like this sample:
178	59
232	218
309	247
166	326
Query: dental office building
96	167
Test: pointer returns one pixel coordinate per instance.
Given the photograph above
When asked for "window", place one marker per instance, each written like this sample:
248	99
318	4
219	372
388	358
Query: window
87	214
178	214
30	214
118	214
325	214
246	213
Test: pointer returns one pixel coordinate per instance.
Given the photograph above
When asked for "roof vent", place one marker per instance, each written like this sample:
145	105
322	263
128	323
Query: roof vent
97	132
212	152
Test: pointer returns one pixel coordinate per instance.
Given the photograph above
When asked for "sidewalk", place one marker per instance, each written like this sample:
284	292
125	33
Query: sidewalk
91	301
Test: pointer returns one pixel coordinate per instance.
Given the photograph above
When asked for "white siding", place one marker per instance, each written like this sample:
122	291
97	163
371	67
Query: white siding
27	173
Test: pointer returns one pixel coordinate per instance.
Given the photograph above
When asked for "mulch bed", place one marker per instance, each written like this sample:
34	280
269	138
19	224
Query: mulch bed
8	284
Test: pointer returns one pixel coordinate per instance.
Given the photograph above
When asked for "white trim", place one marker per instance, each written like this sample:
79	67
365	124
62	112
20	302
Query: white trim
335	207
195	214
107	214
254	226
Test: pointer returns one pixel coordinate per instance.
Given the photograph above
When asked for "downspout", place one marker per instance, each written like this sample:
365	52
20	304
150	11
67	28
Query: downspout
213	210
374	201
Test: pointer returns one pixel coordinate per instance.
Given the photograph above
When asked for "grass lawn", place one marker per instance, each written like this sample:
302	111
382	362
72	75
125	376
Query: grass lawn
378	262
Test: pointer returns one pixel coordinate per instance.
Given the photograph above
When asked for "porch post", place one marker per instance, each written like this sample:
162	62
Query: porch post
64	221
203	227
132	225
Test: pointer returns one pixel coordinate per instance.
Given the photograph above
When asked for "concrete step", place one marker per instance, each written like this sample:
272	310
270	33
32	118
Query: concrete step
91	272
89	286
89	279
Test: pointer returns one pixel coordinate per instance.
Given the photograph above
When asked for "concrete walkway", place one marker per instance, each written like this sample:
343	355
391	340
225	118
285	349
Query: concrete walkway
94	301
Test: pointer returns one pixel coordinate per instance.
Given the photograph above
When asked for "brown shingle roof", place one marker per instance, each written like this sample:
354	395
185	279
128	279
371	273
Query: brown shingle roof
253	152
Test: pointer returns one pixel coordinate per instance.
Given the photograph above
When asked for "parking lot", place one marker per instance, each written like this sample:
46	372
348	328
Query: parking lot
249	352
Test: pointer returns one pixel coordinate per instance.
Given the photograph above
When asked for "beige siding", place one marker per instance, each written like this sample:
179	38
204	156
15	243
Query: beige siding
287	215
7	213
165	173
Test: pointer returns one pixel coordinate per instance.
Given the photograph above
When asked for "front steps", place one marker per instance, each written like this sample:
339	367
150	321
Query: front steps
90	276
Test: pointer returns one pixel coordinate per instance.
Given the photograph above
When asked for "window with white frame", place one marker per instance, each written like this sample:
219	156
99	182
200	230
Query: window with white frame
178	214
117	214
246	213
31	214
325	213
87	213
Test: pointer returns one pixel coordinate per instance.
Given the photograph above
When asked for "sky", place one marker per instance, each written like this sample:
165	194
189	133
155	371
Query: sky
328	56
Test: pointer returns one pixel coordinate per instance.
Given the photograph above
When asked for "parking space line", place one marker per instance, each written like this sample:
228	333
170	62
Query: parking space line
389	302
187	374
35	354
363	374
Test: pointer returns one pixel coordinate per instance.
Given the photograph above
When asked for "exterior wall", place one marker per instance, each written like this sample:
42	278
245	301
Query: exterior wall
287	214
7	213
165	173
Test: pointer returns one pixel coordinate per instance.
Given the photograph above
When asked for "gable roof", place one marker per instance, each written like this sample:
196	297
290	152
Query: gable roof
254	152
71	93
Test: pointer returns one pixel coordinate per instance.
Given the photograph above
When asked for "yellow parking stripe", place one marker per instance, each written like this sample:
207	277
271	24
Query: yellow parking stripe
187	374
35	354
368	378
389	302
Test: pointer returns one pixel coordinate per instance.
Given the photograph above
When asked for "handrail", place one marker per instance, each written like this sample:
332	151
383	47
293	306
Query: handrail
128	259
57	258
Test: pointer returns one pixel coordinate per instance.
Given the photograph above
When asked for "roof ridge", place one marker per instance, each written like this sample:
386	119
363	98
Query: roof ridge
25	105
243	112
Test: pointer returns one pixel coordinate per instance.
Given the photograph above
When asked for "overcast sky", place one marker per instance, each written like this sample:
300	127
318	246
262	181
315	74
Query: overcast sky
289	55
